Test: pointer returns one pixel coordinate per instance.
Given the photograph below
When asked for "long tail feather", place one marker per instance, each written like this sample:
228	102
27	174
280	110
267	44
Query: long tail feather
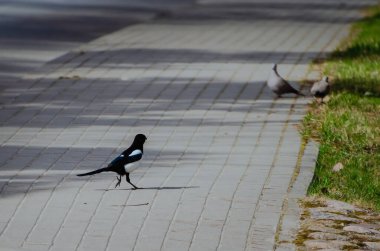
94	172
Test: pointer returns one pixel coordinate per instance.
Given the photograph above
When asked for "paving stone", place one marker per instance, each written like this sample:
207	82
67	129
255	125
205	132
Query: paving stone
360	229
340	205
323	244
322	228
373	245
327	236
320	215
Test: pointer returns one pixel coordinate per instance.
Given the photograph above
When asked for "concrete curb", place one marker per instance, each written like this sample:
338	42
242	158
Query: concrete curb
291	217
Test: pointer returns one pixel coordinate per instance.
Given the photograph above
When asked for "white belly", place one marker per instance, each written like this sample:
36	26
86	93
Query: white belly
131	166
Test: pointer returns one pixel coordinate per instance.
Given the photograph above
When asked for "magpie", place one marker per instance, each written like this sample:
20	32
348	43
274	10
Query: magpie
279	85
126	162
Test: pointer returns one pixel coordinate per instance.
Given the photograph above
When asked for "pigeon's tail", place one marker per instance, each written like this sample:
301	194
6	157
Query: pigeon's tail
287	88
295	91
105	169
300	93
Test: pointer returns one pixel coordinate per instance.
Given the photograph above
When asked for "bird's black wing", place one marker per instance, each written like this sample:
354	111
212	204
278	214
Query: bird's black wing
128	151
134	157
117	161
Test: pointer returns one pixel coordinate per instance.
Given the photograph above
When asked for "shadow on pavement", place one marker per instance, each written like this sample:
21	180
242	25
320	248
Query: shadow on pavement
215	10
151	188
34	32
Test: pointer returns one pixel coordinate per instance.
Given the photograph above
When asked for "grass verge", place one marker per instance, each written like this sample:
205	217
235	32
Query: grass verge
348	125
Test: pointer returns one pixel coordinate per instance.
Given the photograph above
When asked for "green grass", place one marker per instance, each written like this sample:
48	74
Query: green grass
348	126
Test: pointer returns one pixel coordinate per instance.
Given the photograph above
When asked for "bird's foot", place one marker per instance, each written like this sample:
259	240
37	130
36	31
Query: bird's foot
320	101
118	181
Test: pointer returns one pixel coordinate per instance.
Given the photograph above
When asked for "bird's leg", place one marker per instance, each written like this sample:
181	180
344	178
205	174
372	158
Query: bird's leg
317	100
118	181
129	181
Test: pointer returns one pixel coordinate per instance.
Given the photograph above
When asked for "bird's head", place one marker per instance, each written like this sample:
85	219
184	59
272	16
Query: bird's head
274	67
325	78
140	138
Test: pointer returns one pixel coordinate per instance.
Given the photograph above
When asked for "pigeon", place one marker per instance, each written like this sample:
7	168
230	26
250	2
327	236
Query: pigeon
126	162
321	88
279	85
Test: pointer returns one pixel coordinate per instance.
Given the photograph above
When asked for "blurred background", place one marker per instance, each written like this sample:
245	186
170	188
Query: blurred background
36	31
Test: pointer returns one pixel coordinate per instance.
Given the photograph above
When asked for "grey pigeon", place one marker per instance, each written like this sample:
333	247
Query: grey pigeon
279	85
321	88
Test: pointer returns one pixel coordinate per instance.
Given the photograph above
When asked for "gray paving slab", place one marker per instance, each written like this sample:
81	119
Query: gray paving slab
222	152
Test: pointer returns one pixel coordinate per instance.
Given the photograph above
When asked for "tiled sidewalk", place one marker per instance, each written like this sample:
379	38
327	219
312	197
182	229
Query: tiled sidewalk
221	151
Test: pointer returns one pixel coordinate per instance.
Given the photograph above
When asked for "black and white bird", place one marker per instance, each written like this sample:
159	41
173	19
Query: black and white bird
279	85
126	162
321	88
